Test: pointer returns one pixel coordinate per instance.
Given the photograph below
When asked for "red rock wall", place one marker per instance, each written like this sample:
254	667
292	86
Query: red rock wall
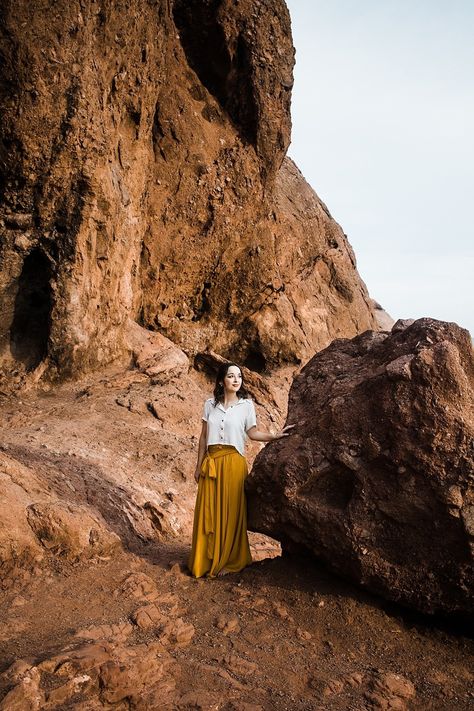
141	177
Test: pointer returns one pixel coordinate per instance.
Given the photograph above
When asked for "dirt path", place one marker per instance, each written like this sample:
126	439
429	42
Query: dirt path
283	634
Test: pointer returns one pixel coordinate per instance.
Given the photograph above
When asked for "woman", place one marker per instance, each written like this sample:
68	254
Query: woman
220	543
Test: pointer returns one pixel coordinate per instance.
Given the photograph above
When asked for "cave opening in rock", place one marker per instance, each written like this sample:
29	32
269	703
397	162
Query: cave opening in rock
31	325
255	360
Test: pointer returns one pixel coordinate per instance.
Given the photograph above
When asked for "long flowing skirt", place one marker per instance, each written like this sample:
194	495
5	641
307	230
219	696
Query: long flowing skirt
220	516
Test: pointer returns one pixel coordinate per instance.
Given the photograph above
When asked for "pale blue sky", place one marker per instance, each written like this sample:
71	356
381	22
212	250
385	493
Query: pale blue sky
383	122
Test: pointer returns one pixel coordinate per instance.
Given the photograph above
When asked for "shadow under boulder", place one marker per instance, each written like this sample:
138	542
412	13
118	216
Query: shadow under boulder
378	478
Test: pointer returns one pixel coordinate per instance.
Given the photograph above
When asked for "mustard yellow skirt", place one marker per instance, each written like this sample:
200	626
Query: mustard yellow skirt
220	516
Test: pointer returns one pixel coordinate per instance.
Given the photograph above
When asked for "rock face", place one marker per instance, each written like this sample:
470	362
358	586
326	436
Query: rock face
378	479
143	177
34	521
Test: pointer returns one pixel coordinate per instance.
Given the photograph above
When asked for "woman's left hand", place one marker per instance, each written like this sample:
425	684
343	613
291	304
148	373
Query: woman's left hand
284	432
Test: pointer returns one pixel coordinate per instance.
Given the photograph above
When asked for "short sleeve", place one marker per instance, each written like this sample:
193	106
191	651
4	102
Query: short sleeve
205	412
251	418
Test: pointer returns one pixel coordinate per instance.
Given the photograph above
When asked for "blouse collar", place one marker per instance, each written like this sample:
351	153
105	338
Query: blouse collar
221	406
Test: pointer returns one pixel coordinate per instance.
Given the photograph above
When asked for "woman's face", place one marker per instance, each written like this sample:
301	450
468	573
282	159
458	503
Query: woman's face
233	379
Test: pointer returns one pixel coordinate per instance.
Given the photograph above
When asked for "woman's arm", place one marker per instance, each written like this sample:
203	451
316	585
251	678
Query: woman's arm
260	436
201	450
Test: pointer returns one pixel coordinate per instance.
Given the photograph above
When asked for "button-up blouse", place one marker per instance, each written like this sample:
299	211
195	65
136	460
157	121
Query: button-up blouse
229	426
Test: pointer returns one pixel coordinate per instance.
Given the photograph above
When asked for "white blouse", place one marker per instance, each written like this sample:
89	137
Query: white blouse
229	426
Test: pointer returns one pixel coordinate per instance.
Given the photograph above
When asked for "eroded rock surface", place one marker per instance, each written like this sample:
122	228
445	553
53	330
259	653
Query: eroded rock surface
34	520
378	479
143	177
91	467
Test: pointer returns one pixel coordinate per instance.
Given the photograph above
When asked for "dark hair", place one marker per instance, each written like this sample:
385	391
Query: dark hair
219	386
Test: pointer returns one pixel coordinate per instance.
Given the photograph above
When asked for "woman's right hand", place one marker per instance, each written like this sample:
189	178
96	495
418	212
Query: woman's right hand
284	433
197	474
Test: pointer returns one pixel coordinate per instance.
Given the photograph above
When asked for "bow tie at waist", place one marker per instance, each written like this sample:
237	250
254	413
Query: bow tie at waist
208	468
208	474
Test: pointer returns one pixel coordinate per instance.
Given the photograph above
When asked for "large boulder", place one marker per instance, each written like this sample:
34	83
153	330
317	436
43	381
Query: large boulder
378	478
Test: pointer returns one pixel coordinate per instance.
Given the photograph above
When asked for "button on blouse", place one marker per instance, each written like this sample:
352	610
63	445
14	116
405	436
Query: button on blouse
229	426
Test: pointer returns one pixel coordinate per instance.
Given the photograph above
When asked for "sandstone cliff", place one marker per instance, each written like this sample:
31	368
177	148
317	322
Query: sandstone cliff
143	177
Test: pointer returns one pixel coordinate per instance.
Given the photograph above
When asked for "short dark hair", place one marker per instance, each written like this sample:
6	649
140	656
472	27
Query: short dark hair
219	385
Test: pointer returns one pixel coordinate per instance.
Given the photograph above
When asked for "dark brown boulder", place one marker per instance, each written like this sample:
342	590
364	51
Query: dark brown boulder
378	478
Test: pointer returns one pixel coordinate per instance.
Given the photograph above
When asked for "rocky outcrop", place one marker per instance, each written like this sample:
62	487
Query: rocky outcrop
103	673
35	521
384	320
378	478
70	531
114	455
143	177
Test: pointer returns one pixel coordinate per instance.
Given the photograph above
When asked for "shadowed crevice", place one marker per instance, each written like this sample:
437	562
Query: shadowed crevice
31	326
223	67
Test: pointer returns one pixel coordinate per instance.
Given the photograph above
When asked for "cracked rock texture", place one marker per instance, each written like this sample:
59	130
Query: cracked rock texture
143	177
378	480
